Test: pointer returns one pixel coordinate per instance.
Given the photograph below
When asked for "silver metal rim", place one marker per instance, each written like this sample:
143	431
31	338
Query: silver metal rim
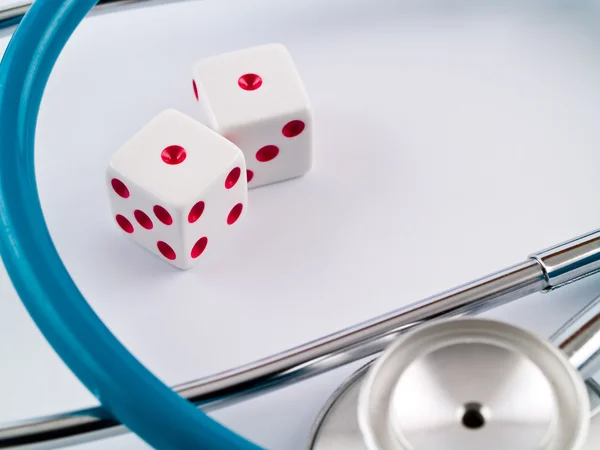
570	429
328	407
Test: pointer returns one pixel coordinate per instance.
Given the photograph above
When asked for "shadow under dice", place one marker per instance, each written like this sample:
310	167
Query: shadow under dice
177	188
256	99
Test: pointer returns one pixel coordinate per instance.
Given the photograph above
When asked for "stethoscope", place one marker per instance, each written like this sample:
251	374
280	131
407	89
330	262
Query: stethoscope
456	363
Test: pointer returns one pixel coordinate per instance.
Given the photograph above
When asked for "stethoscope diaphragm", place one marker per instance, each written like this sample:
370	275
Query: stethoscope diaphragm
466	384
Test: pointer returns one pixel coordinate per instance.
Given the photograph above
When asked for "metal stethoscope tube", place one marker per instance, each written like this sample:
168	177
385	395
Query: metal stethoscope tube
13	13
541	272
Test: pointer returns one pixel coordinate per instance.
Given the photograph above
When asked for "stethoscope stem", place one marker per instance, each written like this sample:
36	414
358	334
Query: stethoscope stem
579	339
541	272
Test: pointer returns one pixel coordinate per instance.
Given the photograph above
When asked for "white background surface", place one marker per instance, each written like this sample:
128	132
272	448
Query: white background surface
452	140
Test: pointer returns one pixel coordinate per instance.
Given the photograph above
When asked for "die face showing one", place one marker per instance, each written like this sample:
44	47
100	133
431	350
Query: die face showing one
174	157
255	98
158	176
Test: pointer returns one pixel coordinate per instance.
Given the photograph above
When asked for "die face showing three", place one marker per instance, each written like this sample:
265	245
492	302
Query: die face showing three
255	98
177	188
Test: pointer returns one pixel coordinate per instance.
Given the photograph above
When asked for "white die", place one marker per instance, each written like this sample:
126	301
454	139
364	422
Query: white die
177	188
255	98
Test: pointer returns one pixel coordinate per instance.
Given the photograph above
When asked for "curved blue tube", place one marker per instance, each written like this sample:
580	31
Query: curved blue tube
124	386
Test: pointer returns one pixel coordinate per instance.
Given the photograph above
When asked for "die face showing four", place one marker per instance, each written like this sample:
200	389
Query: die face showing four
208	219
177	188
255	98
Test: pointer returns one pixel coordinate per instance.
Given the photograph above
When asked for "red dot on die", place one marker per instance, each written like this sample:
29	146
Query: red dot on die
267	153
120	188
249	175
250	82
125	224
293	128
196	212
162	214
166	250
195	89
173	155
232	178
234	214
199	247
143	219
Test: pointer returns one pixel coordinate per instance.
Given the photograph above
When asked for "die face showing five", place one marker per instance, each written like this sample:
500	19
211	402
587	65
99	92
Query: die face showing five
176	187
255	98
135	213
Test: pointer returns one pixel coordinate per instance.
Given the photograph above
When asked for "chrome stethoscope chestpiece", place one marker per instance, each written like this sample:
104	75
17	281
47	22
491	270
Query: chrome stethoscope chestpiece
465	384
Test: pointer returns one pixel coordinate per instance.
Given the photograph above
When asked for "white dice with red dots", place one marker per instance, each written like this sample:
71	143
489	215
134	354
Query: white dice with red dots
256	98
177	188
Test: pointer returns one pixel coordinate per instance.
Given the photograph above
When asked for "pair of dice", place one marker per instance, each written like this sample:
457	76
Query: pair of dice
178	187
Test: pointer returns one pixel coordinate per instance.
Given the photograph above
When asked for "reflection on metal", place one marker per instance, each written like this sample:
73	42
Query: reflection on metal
337	423
468	384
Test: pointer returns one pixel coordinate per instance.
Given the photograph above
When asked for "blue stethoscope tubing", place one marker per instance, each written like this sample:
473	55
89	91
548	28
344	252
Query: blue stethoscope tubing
121	384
